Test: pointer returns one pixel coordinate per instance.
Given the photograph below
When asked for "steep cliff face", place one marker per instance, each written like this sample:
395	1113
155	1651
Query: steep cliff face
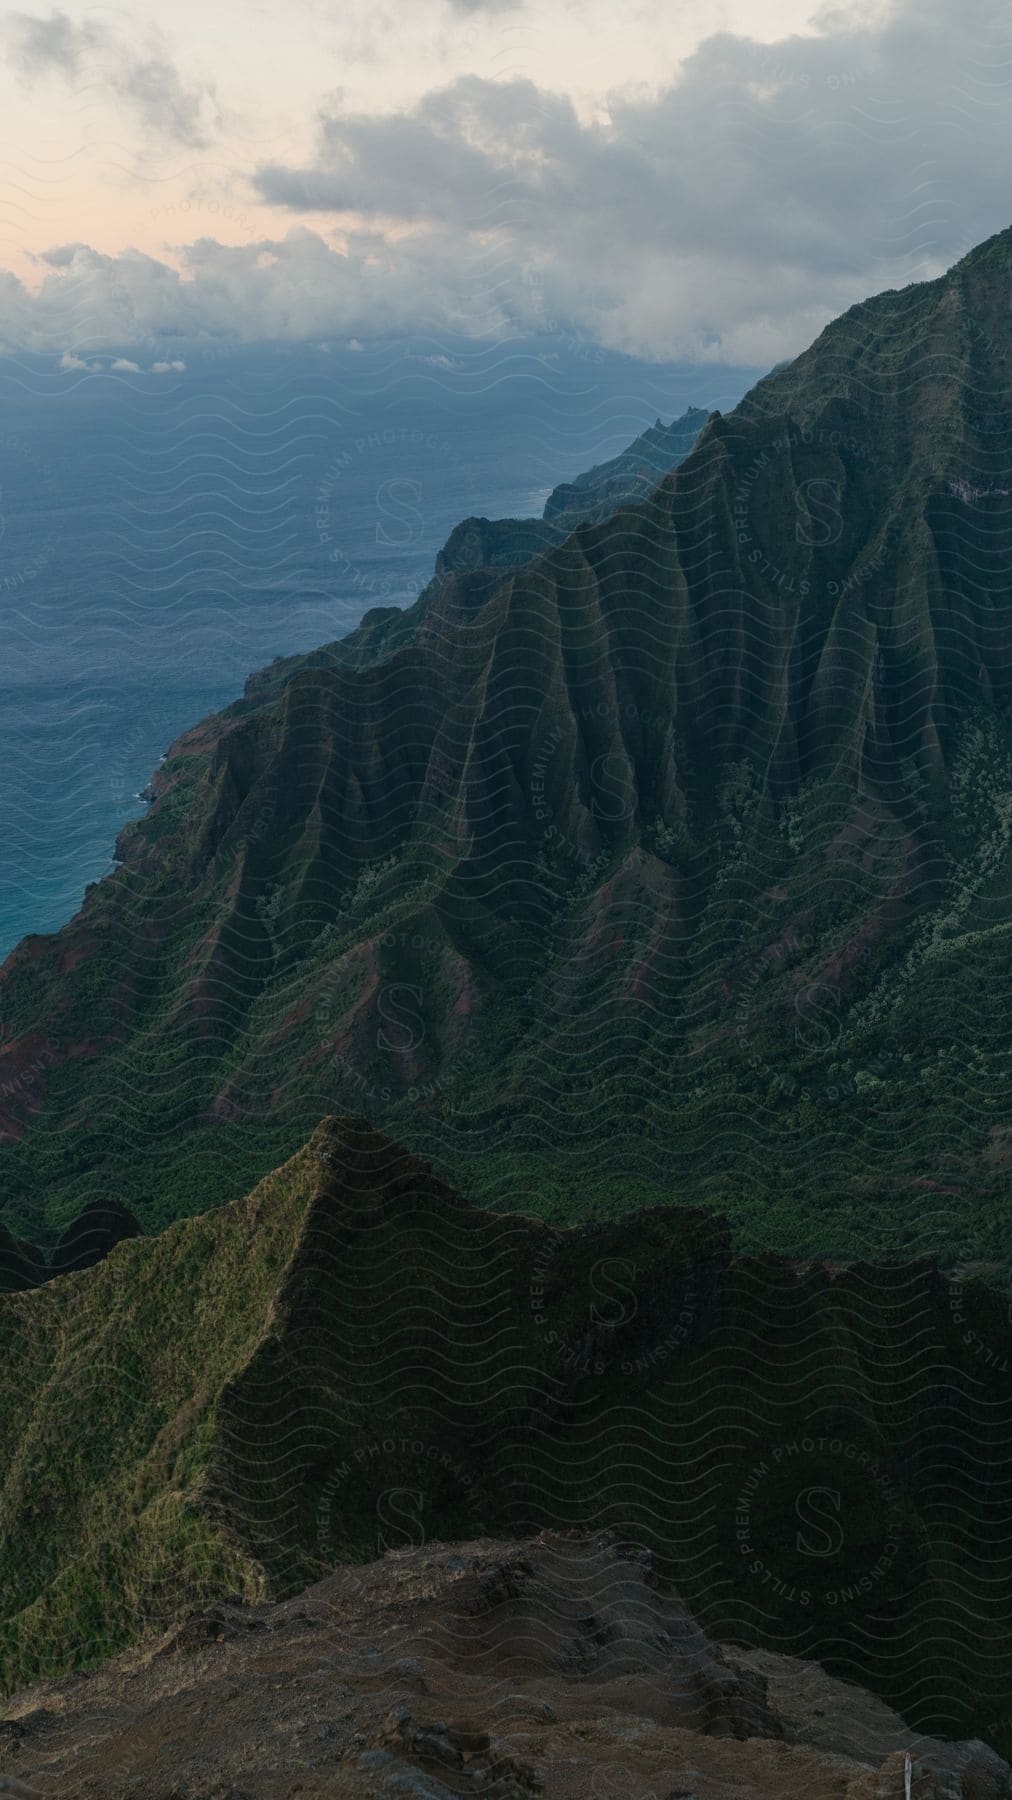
481	547
673	863
358	1358
629	478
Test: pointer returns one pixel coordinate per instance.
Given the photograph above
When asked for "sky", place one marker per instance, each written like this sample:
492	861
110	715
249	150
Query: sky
705	183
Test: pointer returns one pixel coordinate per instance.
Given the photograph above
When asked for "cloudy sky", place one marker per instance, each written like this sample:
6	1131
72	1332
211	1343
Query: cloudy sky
694	182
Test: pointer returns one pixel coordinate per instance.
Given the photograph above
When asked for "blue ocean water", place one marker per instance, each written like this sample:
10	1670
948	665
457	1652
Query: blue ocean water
163	534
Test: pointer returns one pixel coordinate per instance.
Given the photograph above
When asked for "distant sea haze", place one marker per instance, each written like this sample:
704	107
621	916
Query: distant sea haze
164	534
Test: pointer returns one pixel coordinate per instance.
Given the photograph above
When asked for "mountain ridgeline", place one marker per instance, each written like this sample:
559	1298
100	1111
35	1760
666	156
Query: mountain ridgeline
665	862
488	546
360	1360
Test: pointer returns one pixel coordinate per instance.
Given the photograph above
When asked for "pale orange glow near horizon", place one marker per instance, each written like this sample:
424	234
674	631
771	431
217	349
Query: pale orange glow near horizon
79	163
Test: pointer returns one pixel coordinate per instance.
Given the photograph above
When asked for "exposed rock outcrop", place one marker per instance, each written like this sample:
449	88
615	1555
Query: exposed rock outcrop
557	1667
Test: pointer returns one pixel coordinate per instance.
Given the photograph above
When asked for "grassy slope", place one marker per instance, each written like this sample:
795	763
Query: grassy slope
358	1356
110	1379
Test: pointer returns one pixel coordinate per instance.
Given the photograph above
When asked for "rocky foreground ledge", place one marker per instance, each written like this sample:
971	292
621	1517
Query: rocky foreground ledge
559	1666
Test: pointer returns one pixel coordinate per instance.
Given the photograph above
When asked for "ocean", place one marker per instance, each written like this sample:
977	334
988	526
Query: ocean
163	534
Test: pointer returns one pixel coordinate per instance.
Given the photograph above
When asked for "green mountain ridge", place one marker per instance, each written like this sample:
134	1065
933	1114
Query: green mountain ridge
492	545
353	1338
671	864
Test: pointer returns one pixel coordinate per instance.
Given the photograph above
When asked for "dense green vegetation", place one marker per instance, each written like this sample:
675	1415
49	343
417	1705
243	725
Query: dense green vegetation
357	1356
659	858
670	863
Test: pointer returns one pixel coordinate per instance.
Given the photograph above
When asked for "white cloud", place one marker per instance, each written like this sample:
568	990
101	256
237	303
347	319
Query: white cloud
168	368
303	289
70	360
129	368
726	217
730	214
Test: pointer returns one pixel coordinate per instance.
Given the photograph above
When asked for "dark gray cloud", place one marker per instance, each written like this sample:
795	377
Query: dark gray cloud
147	79
735	211
727	217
